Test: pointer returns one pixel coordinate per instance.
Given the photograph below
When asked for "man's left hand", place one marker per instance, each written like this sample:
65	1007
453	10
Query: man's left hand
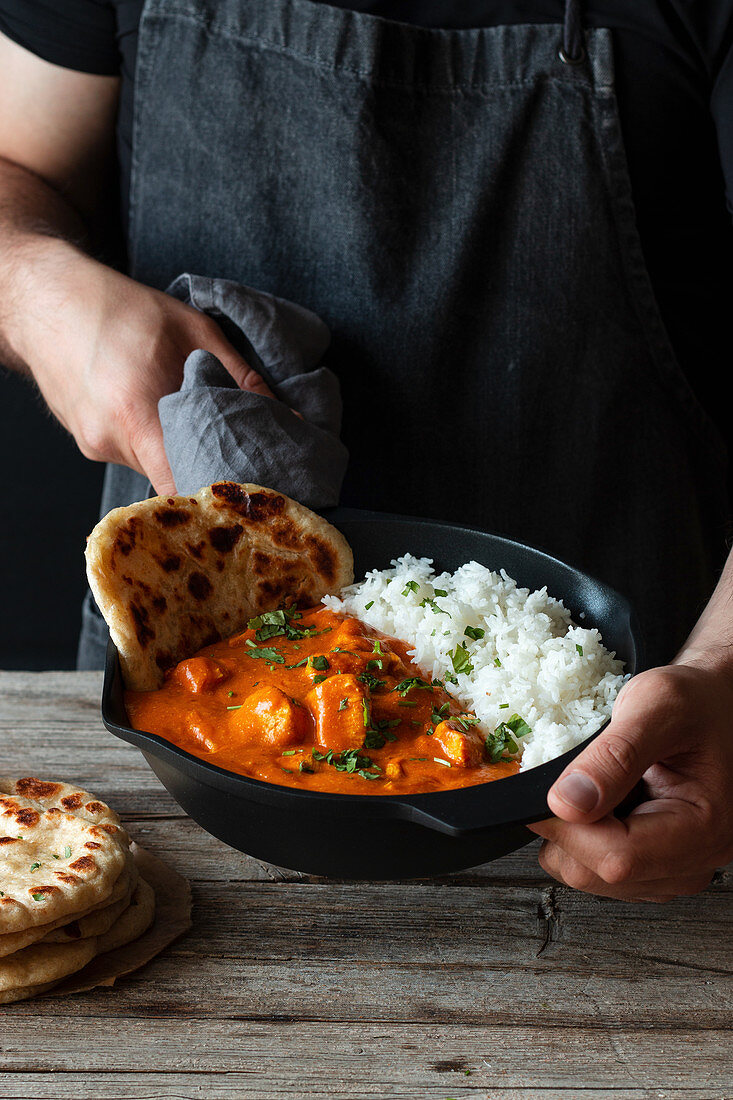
672	728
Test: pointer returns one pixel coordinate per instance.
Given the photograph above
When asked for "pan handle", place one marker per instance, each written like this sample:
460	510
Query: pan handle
516	800
519	800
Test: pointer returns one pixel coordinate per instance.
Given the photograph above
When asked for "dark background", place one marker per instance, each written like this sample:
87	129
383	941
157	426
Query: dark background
50	503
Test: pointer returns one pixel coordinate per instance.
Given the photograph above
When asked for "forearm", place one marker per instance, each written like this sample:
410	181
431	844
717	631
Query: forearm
710	644
41	240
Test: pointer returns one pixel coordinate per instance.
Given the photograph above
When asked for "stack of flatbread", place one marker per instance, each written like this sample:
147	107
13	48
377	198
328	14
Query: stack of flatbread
69	887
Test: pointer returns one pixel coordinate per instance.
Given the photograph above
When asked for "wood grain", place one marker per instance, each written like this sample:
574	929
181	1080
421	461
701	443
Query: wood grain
495	982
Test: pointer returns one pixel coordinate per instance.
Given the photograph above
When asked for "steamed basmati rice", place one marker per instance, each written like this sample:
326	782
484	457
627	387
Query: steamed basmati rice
532	660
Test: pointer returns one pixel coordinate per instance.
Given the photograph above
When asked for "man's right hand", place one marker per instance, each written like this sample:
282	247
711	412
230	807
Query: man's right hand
107	349
102	348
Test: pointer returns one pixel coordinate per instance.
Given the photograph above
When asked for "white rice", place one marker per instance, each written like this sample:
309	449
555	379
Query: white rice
532	661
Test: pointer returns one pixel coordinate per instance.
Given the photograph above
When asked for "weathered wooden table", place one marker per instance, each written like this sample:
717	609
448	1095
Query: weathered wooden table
492	983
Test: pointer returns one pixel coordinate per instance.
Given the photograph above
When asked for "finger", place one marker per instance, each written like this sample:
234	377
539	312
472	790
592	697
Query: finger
643	728
572	873
240	370
149	451
661	839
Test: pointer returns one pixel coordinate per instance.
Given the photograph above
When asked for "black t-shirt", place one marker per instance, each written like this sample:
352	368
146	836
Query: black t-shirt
674	76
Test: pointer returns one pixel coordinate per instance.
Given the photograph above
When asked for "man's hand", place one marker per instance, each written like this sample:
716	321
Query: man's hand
105	349
102	348
671	727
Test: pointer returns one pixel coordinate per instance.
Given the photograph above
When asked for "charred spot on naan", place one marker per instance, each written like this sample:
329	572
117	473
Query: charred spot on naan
224	539
36	788
36	892
263	504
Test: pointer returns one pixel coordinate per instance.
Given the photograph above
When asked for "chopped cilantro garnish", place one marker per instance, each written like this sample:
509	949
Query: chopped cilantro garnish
343	704
319	679
465	721
271	624
461	660
237	706
264	654
299	663
67	852
320	663
440	592
35	866
414	682
368	605
579	649
503	706
439	761
497	662
427	602
303	767
439	713
371	681
350	761
289	752
365	711
474	632
406	703
502	741
39	897
375	662
411	586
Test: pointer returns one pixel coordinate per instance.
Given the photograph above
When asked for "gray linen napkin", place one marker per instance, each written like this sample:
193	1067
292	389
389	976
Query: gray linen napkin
213	431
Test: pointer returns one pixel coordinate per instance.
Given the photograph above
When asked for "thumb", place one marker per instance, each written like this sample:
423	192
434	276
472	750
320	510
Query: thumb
151	459
603	775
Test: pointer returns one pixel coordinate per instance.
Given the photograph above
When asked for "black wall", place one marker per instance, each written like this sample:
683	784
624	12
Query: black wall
50	502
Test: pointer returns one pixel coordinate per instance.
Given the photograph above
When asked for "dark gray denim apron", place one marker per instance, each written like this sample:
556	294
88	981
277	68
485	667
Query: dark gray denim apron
456	206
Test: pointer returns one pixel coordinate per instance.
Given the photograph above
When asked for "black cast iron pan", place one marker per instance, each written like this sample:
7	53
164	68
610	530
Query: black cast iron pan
391	836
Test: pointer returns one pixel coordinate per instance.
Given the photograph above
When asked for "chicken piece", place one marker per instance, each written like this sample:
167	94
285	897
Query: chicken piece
201	730
340	706
351	637
198	674
270	717
463	747
393	770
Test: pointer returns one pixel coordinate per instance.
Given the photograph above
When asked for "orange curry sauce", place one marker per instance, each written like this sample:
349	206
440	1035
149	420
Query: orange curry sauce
341	709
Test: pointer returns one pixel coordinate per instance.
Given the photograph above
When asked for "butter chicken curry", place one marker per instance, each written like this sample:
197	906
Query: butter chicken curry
320	701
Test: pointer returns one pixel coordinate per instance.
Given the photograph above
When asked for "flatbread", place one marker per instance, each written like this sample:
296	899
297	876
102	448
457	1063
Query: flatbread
91	924
121	894
135	920
61	852
43	964
68	798
38	968
173	574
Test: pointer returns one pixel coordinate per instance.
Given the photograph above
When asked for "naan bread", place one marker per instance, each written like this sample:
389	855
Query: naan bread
173	574
61	852
68	798
91	924
38	968
43	964
135	920
56	931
